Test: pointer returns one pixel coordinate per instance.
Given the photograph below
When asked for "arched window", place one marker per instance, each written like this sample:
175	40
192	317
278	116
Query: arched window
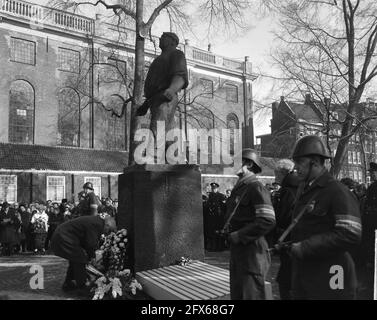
232	123
68	118
116	125
21	112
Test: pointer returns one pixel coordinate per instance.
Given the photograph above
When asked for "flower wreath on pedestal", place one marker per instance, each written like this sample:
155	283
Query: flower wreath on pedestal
109	276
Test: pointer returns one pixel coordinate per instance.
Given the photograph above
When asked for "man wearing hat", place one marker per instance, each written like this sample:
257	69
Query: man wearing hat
252	216
328	227
89	202
215	219
369	227
167	75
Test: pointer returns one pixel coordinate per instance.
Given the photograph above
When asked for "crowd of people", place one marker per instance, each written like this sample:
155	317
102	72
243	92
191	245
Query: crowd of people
29	227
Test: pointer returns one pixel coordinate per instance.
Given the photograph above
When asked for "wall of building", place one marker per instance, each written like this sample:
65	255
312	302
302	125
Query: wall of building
32	186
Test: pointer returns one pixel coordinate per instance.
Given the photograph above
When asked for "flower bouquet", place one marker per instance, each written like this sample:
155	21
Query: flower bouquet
116	281
184	261
39	226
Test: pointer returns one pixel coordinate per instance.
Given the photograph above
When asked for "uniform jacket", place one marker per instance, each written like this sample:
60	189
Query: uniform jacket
255	215
86	202
76	240
326	232
332	224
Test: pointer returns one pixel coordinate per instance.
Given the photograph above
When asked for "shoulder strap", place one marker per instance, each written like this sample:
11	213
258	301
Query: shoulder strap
298	217
236	207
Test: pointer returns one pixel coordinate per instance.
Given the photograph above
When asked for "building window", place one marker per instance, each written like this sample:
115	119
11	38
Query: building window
55	188
8	188
358	157
231	93
21	112
207	87
96	181
22	51
69	60
349	157
68	118
360	177
354	157
232	123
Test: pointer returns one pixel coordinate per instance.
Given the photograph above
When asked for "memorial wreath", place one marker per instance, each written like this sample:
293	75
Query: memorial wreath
109	276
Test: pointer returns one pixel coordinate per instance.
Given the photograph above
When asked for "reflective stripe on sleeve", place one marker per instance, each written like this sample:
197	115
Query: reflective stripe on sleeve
265	211
351	223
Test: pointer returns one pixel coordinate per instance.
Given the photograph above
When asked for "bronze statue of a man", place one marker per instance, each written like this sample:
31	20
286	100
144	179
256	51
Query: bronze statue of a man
167	75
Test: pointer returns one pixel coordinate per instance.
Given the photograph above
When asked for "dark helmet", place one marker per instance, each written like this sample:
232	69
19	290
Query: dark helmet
251	154
310	146
88	185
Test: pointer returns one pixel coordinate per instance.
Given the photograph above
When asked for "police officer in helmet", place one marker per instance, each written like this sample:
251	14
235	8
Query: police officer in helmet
89	202
330	227
253	217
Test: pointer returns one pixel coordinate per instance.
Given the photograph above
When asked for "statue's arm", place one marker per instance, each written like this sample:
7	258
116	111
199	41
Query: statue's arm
176	85
179	75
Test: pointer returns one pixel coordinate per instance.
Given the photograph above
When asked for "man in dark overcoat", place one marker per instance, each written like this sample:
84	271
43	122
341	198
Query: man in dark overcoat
77	240
253	219
322	267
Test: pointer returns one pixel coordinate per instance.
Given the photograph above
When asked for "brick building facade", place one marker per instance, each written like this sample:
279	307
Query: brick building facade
64	76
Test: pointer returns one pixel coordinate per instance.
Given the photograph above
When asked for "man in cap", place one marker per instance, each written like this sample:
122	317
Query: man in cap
329	228
167	75
215	218
89	202
253	217
76	240
369	227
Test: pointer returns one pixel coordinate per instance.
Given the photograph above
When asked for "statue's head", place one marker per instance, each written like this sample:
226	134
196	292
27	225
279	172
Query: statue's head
168	39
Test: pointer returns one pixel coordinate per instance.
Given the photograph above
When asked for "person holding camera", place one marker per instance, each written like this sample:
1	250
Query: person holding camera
250	216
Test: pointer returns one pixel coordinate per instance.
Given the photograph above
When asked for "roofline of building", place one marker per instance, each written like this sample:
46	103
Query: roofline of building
61	147
87	37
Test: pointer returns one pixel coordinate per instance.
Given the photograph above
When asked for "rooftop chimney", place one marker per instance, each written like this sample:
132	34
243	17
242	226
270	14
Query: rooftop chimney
209	47
281	98
187	42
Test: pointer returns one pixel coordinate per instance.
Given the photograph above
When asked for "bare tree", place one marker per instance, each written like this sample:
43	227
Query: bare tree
328	48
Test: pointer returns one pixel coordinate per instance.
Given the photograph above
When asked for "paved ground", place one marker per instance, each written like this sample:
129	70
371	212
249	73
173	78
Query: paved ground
15	276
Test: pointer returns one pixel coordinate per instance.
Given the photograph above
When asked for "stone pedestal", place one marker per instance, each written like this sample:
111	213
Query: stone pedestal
161	206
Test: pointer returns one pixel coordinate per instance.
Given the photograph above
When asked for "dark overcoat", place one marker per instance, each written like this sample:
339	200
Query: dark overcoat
76	240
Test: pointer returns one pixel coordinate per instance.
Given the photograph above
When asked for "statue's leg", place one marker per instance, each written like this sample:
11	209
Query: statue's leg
164	113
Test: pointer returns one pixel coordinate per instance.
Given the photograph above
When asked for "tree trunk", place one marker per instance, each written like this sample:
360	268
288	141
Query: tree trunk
138	79
347	126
